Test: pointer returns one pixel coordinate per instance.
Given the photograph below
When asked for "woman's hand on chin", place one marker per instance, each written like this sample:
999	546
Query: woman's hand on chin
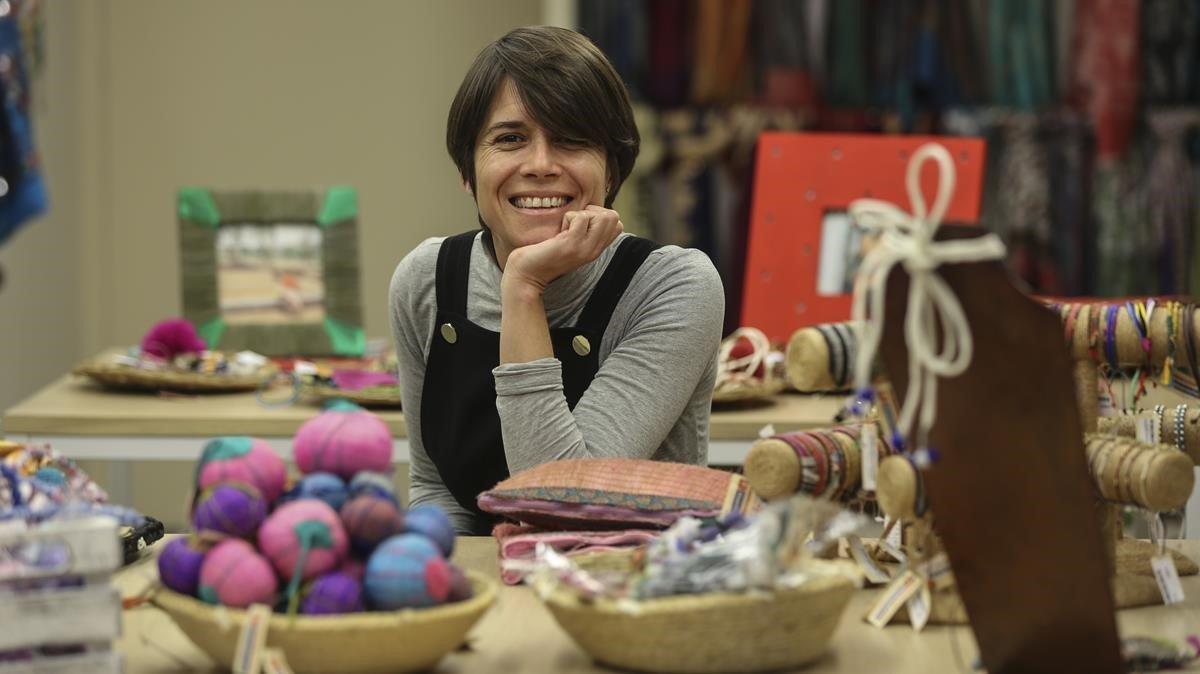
581	238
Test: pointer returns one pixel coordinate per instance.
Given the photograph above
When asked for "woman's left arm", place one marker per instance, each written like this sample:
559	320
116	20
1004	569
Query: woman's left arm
674	309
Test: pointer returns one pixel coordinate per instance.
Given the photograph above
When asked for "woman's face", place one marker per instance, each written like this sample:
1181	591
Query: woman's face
525	179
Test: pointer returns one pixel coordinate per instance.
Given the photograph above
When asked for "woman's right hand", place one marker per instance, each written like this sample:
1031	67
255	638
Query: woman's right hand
583	236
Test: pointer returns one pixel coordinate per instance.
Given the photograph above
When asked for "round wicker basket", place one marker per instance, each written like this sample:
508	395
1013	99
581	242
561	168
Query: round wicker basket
115	375
378	396
719	632
393	641
743	389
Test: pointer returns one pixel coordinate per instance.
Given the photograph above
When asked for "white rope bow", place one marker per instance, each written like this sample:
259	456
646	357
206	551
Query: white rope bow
909	240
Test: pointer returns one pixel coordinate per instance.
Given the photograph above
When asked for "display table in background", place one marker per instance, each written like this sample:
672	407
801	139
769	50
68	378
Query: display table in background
519	634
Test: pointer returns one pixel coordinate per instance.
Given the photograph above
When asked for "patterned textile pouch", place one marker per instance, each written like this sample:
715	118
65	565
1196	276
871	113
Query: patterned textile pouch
519	543
617	494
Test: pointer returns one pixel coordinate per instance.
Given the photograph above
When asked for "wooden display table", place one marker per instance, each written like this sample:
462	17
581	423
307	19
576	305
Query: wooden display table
85	421
519	634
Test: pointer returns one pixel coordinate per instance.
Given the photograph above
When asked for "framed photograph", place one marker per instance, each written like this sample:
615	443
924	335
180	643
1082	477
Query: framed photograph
272	271
803	249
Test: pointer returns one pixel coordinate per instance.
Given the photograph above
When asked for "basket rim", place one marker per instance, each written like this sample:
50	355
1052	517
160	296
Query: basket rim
485	591
117	374
659	606
328	392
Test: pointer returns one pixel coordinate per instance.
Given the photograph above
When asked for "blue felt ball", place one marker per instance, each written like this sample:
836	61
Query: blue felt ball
433	523
370	483
325	487
406	571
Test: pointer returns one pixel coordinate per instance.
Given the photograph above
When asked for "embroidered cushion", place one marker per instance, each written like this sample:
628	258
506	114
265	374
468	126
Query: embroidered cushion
617	493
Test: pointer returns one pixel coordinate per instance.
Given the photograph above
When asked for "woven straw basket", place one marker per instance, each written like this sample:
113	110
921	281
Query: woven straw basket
746	389
393	641
380	397
719	632
127	377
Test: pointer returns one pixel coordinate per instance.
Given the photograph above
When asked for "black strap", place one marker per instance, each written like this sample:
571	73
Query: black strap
630	254
453	270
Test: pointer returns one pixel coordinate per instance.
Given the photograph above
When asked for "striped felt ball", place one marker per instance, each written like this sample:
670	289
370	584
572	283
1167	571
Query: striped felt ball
368	482
322	486
332	593
369	520
406	571
344	440
234	574
179	565
242	459
308	532
230	508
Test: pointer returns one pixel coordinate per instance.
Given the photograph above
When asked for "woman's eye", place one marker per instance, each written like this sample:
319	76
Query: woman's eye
509	138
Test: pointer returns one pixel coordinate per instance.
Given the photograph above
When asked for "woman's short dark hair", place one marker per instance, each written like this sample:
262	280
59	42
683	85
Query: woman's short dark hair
566	84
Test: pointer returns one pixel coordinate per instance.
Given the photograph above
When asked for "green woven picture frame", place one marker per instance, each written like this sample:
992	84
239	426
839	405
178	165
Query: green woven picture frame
323	314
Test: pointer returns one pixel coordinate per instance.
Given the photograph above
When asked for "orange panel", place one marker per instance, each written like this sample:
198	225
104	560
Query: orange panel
801	176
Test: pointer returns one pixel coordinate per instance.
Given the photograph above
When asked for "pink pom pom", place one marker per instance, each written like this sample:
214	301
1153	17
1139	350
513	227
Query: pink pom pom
171	338
281	538
234	574
343	440
242	459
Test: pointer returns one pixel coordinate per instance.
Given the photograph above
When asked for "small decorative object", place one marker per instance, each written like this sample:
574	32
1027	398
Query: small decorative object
276	271
304	537
406	571
748	368
433	523
374	484
230	508
331	593
179	565
170	338
322	486
370	519
344	439
234	574
242	459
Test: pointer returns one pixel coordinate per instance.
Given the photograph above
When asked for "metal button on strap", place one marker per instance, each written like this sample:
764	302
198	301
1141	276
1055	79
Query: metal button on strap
449	333
581	345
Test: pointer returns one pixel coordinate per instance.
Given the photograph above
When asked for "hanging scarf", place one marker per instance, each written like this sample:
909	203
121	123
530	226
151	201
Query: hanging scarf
1171	200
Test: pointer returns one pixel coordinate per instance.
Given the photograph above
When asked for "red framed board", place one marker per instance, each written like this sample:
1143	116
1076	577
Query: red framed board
804	183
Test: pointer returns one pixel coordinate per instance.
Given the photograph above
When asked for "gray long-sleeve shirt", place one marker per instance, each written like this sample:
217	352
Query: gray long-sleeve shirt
650	398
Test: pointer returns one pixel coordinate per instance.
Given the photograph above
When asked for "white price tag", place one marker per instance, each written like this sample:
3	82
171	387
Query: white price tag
766	431
895	536
1105	404
871	569
919	606
1147	431
893	597
252	640
869	446
1167	577
274	662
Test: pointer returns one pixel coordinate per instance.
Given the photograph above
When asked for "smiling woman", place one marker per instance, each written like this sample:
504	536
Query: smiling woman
548	333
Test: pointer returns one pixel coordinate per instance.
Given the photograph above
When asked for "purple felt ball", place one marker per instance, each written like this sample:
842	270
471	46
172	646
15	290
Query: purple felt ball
406	571
242	459
369	520
281	536
432	522
460	585
179	565
234	574
230	508
333	592
344	440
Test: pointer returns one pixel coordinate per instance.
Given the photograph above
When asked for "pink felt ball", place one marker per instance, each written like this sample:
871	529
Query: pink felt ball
234	574
242	459
343	440
281	538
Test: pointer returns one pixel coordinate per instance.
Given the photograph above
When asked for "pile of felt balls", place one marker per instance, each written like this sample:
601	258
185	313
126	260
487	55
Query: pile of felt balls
335	541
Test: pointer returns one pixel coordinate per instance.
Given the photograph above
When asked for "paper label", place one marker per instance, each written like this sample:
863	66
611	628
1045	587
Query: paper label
937	570
919	607
1105	404
1147	429
766	431
1167	577
895	535
873	572
274	662
894	596
869	446
252	641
